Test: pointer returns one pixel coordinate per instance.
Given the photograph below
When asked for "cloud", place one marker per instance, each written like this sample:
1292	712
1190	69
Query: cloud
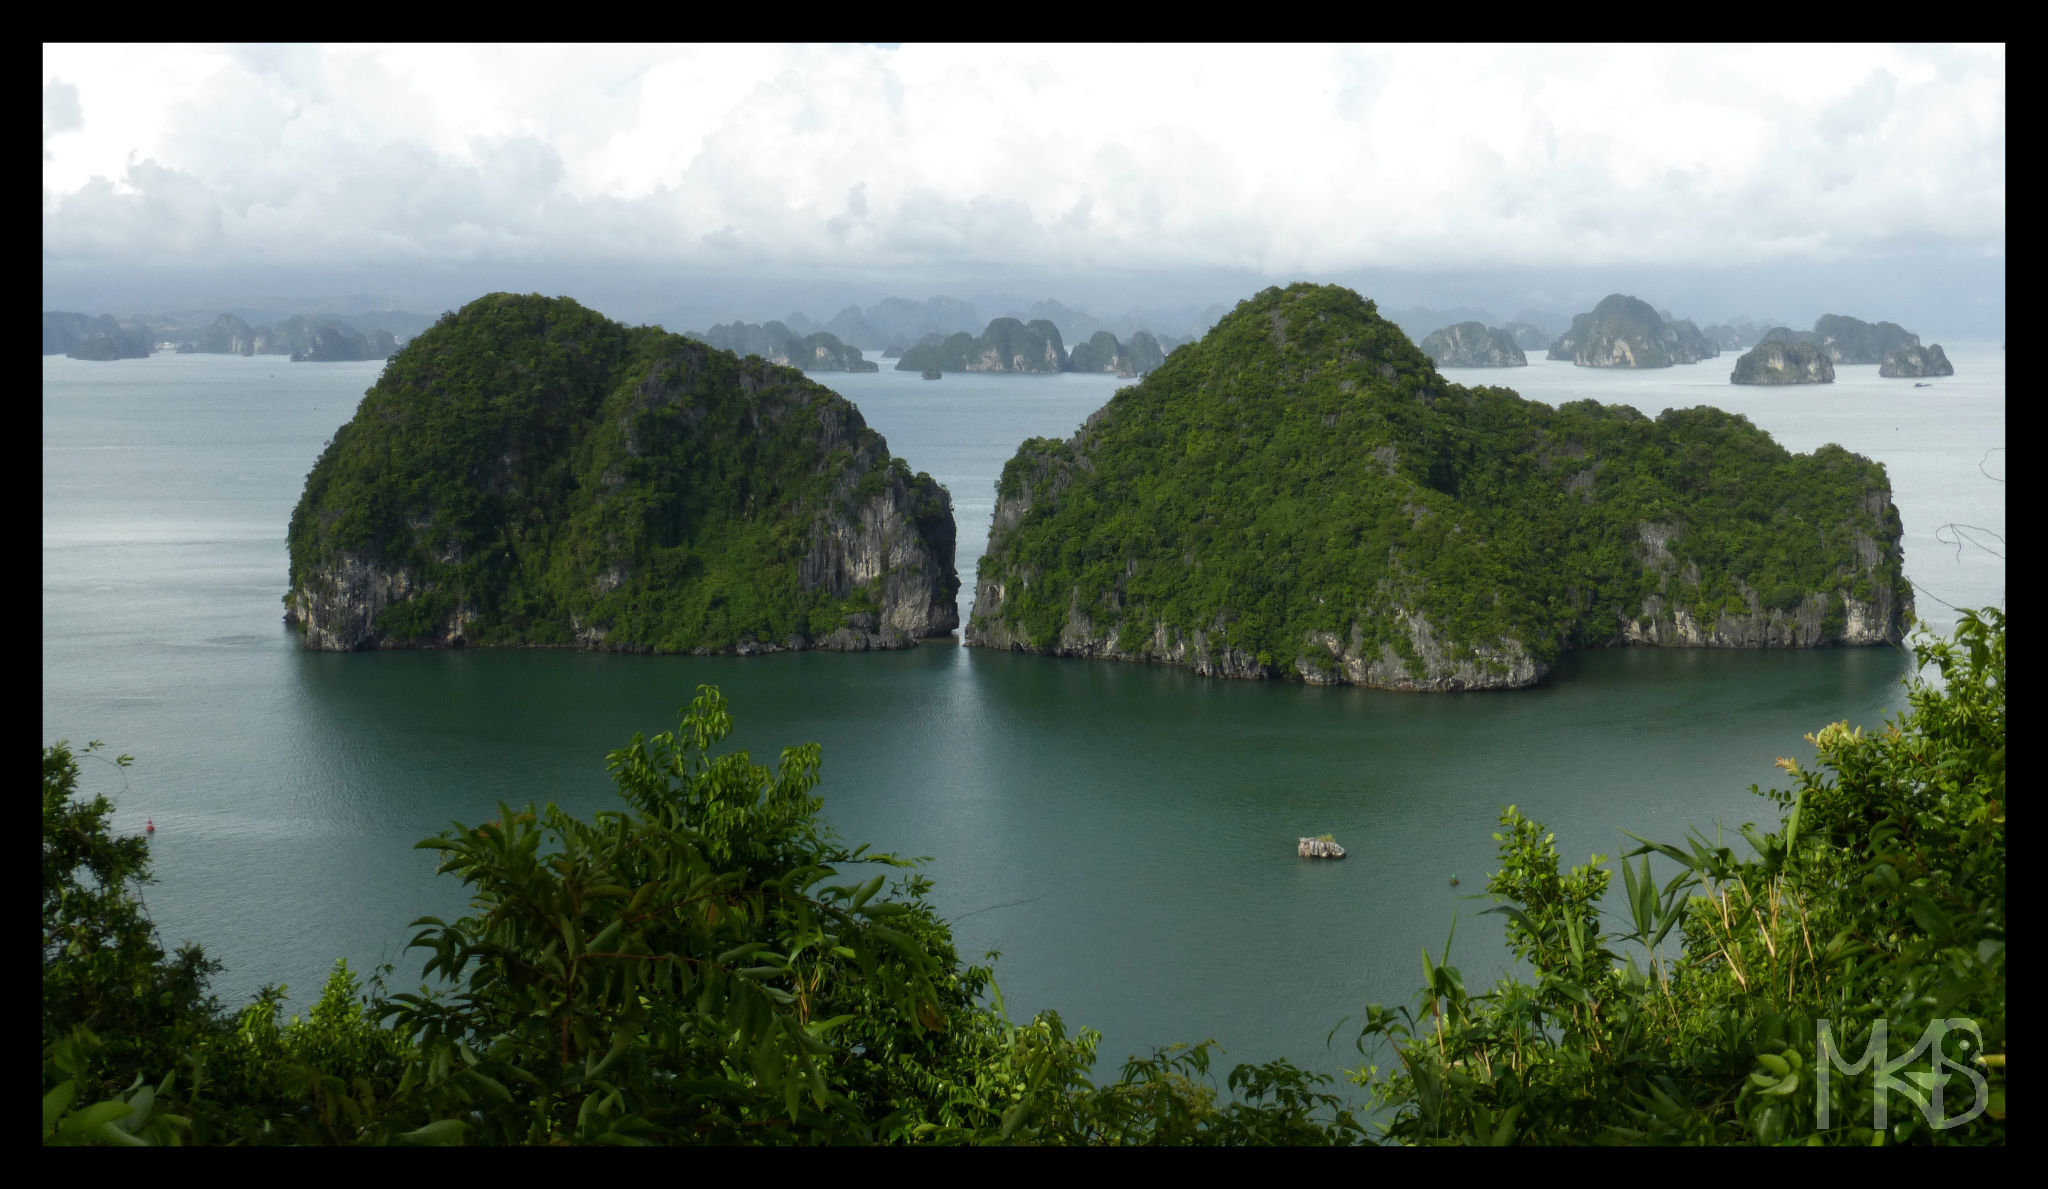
60	111
1282	160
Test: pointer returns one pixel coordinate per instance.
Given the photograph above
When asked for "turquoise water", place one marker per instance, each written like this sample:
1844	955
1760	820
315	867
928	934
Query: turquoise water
1123	834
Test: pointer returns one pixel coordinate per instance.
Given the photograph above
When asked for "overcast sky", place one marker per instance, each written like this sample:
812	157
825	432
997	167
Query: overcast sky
736	177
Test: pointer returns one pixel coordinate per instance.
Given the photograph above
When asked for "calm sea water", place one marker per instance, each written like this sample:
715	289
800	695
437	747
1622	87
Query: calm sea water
1122	834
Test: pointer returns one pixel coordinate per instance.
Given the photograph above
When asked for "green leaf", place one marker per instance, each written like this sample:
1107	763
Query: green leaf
92	1116
138	1109
56	1102
1505	1131
438	1134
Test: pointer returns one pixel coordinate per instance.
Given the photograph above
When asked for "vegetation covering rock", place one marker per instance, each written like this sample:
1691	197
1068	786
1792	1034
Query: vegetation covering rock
1917	361
1782	359
1301	494
529	472
1472	344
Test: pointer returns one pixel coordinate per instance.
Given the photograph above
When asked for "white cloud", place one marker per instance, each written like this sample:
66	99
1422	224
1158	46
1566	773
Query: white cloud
1281	159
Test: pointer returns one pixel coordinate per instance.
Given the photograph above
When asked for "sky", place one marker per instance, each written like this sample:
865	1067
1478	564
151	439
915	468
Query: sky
702	183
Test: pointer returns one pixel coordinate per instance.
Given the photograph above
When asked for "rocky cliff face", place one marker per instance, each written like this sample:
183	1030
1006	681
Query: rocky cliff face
1777	361
1917	361
1472	344
1673	617
659	496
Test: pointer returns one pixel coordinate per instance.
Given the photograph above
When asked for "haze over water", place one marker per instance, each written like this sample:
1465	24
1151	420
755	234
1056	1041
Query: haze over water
1123	834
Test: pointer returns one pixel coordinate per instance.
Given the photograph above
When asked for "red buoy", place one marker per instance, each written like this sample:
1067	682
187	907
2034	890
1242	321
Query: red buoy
150	825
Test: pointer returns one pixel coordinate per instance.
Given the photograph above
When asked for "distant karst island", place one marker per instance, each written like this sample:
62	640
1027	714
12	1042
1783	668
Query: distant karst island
1472	344
777	343
1787	356
1365	521
1906	361
1625	331
1006	346
944	334
1849	340
527	472
1783	358
82	336
305	338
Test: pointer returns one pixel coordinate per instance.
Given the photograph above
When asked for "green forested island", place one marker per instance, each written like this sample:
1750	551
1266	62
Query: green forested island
1301	494
528	472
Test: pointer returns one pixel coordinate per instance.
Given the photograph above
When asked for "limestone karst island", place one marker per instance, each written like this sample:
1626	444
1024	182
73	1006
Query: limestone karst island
1624	331
528	472
1300	494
